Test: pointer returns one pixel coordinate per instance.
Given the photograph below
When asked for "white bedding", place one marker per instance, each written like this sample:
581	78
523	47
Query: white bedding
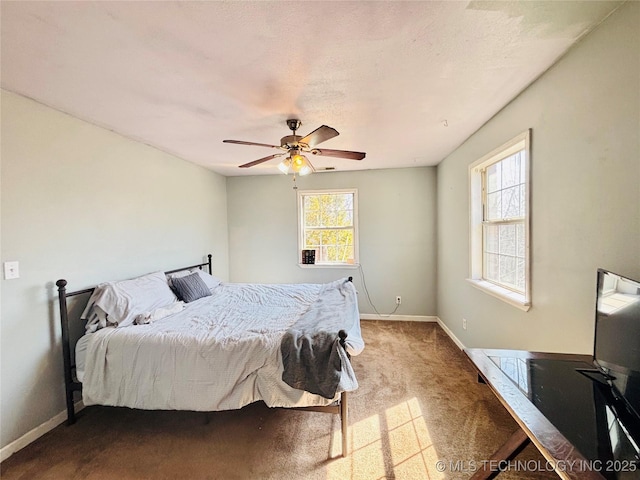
221	352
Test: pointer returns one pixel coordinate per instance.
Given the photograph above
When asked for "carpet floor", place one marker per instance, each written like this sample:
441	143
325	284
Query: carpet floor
418	403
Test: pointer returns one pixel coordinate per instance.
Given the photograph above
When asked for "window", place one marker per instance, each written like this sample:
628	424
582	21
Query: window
499	194
328	224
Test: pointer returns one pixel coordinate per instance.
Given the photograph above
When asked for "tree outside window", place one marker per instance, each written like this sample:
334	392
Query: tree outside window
328	225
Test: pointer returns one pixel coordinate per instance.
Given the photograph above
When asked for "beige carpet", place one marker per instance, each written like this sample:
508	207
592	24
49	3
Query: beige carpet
418	403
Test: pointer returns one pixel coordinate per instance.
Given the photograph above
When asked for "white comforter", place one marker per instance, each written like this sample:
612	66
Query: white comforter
221	352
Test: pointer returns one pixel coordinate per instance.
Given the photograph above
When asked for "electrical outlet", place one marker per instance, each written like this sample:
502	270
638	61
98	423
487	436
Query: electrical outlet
398	300
11	270
464	323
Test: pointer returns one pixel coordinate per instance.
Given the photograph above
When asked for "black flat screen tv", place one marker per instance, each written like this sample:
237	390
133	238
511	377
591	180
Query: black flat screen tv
617	336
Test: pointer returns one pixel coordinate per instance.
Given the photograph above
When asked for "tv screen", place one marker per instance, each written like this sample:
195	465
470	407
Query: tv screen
617	334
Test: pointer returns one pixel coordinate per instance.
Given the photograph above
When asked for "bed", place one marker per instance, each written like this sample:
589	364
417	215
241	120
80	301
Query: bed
184	340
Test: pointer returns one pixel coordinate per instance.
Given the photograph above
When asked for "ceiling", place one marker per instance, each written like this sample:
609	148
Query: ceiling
405	82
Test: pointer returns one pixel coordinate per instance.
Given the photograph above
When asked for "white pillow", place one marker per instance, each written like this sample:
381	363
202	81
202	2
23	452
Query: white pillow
150	317
211	281
180	274
124	300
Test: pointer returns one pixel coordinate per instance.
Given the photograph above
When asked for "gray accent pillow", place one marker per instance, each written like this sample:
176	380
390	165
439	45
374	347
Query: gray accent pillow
190	288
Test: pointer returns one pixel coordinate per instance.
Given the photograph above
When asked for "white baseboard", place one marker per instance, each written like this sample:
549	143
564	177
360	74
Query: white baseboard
455	339
33	435
400	318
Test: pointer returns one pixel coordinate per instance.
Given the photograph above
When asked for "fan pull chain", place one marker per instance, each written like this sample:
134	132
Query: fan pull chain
295	185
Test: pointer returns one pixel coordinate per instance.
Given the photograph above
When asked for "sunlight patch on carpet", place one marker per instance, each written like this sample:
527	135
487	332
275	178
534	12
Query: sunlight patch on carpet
395	444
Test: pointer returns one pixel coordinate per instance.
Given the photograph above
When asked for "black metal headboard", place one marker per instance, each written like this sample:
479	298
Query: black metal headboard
72	385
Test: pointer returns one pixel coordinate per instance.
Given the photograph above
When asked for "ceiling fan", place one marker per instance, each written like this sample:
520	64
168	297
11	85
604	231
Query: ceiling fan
294	146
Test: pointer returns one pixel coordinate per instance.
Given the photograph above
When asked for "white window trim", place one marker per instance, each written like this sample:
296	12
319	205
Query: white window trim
329	265
356	242
521	301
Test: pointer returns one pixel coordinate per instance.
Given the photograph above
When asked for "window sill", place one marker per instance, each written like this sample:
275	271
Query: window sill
512	298
328	265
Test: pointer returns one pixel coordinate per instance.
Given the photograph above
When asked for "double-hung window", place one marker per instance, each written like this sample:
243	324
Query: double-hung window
499	194
328	225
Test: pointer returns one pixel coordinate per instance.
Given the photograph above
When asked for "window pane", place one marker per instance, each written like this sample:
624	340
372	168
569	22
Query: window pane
494	206
494	174
326	201
349	254
491	238
511	171
511	202
342	201
507	240
329	218
312	218
311	202
345	254
520	240
520	278
329	237
344	218
491	267
508	270
311	238
345	237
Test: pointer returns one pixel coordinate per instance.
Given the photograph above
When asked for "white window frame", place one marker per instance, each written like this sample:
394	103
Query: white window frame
301	194
476	217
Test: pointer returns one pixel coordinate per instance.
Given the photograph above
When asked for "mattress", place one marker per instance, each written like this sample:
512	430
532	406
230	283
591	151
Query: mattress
220	353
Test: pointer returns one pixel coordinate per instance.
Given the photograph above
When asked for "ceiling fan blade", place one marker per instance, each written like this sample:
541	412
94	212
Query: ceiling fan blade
339	153
241	142
261	160
319	135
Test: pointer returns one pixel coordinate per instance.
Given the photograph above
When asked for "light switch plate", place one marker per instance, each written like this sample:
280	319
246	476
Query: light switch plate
11	270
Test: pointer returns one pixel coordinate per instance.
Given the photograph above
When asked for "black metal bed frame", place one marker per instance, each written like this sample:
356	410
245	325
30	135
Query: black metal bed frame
73	385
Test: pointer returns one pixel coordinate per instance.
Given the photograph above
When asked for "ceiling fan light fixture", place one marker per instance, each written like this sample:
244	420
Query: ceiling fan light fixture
305	170
300	165
296	164
284	165
298	161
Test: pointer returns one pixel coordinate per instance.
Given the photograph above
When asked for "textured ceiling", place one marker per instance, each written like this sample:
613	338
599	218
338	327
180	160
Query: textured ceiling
406	82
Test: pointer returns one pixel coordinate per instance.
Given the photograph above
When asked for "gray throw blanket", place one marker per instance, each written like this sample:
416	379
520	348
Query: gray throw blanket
312	362
312	356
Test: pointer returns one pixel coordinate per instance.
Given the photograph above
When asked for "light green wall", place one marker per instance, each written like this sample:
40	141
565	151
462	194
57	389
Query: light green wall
396	227
88	205
585	200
